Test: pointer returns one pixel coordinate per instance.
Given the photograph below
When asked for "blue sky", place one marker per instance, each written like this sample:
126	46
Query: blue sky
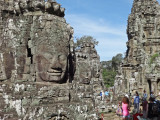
105	20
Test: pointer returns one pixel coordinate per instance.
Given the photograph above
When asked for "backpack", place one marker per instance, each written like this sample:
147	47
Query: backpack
155	108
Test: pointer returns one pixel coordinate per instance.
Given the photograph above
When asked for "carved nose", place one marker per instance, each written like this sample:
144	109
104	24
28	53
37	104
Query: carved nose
55	64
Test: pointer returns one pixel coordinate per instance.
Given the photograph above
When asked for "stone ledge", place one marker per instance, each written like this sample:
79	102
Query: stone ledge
27	7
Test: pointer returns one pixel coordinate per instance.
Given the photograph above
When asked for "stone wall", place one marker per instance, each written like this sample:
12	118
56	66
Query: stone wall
140	68
38	63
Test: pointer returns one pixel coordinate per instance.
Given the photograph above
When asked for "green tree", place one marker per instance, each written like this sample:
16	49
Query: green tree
116	60
108	77
89	39
110	69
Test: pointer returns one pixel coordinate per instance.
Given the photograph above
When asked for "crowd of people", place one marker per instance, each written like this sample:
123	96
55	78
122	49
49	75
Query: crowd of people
107	95
143	108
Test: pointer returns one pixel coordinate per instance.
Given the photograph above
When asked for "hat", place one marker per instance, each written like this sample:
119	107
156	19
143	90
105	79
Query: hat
127	95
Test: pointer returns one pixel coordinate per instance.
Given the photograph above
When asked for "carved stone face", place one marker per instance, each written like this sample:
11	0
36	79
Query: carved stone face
51	49
51	64
85	73
96	71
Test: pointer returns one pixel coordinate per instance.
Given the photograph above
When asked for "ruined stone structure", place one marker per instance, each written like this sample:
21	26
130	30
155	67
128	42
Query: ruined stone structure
140	68
88	73
37	65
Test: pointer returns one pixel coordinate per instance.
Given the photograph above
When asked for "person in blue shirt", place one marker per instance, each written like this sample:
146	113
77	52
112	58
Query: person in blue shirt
145	95
107	93
100	93
136	102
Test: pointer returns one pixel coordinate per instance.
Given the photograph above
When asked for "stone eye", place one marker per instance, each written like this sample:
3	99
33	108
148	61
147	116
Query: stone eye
62	57
48	56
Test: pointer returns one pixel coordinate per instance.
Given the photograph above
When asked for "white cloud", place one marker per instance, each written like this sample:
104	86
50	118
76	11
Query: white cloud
112	39
82	23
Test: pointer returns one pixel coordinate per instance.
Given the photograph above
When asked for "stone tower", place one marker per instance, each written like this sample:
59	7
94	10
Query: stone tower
88	73
140	68
37	64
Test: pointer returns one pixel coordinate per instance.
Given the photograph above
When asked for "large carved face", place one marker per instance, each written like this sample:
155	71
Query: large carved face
51	63
51	49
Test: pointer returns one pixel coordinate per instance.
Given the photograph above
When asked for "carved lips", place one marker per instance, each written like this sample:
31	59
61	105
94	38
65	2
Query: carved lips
53	69
54	74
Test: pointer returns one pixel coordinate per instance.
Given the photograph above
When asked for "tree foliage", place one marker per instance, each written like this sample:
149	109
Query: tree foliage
108	77
89	39
116	60
110	69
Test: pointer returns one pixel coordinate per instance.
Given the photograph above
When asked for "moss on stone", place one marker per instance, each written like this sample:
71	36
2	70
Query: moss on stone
153	57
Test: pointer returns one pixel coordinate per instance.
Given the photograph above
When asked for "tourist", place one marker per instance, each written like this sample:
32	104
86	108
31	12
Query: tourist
151	113
136	102
152	95
158	95
106	93
125	108
111	95
144	106
119	111
132	100
144	95
102	95
127	95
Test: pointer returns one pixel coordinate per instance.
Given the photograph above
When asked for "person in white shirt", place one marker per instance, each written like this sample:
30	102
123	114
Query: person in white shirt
102	95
